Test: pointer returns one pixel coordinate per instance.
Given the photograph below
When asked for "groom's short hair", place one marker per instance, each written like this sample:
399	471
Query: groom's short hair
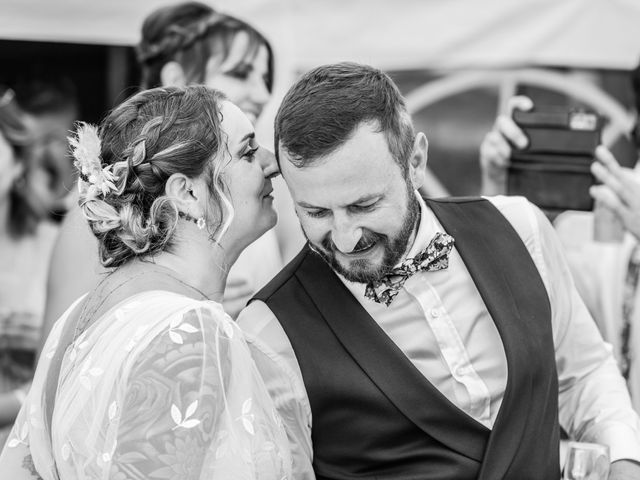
325	106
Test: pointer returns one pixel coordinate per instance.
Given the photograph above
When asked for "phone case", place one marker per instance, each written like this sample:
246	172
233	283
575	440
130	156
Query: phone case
553	171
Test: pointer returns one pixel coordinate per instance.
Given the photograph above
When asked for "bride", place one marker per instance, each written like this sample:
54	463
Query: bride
146	376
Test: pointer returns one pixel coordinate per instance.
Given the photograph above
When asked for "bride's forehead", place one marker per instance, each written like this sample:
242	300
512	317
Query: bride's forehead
234	123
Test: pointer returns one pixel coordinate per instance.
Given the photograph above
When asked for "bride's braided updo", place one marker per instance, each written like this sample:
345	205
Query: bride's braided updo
142	142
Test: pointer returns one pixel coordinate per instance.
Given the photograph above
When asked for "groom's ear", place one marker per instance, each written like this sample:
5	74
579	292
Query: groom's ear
418	160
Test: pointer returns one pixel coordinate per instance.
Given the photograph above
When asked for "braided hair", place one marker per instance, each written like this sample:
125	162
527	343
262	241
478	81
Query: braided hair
145	140
190	33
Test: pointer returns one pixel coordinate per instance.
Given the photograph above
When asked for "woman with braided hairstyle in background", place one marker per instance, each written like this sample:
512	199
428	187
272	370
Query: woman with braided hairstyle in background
181	44
146	376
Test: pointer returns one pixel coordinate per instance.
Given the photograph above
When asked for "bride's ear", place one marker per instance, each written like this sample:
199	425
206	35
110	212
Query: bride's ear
172	74
184	192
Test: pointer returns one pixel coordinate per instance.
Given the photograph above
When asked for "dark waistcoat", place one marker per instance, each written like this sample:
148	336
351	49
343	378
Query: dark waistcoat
375	416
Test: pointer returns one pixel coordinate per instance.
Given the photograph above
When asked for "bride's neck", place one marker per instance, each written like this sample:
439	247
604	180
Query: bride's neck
204	269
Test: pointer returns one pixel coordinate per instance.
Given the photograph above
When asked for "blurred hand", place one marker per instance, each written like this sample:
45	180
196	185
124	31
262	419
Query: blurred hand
620	189
237	293
624	470
495	150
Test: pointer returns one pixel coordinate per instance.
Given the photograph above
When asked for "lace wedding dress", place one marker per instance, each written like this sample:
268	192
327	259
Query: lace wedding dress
161	387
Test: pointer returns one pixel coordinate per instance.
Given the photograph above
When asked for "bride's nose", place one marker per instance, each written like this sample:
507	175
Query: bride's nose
267	162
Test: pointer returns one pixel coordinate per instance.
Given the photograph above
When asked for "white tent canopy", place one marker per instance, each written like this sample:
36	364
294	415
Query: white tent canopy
392	34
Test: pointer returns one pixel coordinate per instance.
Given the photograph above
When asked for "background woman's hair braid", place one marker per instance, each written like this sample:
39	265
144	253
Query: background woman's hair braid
144	141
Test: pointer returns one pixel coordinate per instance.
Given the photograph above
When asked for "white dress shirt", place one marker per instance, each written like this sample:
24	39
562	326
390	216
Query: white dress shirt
440	322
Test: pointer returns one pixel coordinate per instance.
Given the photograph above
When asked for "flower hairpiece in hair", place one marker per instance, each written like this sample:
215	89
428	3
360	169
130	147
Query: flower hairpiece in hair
86	151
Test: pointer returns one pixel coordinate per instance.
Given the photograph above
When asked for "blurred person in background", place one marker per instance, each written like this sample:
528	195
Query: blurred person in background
190	43
605	265
51	108
26	241
146	376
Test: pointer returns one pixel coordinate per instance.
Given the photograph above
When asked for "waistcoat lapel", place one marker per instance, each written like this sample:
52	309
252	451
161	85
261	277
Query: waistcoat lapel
386	365
518	314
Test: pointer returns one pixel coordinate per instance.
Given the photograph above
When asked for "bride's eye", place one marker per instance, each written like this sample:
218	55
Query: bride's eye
250	154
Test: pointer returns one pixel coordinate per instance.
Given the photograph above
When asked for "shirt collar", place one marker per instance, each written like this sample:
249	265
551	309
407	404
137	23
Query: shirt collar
427	228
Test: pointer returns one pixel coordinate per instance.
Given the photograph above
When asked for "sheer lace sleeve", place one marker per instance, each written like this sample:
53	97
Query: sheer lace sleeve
16	462
178	399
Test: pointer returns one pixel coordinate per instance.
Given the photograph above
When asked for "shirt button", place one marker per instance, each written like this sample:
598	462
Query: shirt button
435	313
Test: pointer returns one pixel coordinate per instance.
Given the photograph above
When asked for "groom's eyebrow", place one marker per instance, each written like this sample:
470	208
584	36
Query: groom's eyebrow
362	199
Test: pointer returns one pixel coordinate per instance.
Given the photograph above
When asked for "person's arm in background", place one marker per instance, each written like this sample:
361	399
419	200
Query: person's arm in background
73	271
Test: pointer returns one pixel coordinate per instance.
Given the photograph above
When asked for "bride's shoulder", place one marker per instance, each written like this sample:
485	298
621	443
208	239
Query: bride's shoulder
162	305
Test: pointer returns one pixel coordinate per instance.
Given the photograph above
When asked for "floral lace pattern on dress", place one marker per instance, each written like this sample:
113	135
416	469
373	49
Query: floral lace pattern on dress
163	387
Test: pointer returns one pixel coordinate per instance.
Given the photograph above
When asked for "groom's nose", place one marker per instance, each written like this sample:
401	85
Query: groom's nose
267	162
345	235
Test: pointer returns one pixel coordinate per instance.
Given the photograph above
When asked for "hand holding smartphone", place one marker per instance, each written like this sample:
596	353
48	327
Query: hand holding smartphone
553	171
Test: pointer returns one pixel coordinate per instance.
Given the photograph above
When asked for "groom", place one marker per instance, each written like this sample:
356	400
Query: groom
421	339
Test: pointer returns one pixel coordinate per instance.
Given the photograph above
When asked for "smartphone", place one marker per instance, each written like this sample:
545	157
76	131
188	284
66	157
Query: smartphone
553	171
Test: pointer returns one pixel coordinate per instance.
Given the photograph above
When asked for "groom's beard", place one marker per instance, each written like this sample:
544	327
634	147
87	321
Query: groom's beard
364	270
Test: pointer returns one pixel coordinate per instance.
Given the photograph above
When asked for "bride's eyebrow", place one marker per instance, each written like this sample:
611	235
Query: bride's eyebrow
247	137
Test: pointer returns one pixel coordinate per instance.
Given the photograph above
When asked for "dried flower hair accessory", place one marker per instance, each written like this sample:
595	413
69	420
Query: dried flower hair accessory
86	151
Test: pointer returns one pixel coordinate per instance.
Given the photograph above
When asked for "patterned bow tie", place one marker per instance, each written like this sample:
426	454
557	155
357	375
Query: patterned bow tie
434	257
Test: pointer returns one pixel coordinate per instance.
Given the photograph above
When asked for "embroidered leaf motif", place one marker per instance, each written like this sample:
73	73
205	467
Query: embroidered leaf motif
181	421
113	409
247	418
175	337
246	406
175	414
66	452
190	423
185	327
248	426
191	409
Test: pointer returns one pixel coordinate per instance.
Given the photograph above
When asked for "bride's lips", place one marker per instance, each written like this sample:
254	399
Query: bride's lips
267	191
